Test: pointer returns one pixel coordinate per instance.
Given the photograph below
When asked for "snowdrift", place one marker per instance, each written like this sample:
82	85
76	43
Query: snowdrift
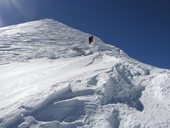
51	78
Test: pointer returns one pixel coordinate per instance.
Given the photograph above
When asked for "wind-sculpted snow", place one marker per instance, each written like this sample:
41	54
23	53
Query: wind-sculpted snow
118	89
51	78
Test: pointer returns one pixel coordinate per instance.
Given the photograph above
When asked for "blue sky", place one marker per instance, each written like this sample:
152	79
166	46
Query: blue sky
140	27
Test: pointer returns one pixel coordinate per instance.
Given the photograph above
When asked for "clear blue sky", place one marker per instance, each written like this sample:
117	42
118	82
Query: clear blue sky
140	27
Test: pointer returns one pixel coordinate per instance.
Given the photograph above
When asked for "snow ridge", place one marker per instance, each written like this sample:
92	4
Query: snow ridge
44	38
51	78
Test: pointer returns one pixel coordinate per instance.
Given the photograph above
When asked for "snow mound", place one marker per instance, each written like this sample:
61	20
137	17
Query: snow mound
51	78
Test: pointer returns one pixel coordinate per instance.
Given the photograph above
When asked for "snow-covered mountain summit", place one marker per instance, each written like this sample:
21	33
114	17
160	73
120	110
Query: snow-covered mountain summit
44	38
51	78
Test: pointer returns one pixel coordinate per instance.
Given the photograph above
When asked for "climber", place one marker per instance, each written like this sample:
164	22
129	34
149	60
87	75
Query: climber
90	39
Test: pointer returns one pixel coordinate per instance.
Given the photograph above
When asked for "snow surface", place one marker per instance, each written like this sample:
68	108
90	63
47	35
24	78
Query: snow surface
51	78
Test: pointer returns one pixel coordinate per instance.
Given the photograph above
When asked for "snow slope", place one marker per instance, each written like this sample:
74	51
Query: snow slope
51	78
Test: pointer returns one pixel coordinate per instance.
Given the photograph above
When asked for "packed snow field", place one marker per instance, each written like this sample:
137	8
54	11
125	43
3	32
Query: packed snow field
51	78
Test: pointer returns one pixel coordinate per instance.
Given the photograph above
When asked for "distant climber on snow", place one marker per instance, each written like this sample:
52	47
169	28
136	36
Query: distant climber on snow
90	40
